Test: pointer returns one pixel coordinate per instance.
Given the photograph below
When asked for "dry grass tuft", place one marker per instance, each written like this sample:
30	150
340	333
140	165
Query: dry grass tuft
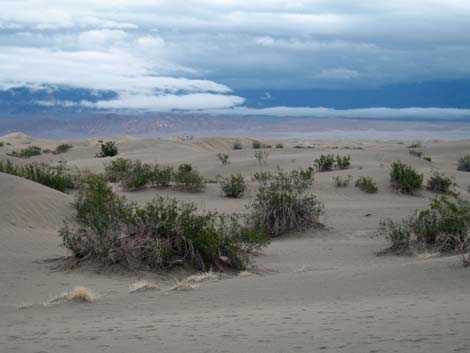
203	277
142	286
77	294
244	274
183	286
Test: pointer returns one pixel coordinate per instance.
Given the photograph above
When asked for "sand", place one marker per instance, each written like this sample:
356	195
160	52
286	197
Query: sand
320	290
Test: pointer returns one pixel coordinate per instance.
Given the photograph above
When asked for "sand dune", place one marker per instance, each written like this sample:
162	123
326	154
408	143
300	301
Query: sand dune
320	290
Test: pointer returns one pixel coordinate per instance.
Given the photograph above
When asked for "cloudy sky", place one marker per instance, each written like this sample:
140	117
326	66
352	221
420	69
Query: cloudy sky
161	55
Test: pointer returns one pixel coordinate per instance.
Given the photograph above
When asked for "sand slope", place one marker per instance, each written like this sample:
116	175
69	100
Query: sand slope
315	291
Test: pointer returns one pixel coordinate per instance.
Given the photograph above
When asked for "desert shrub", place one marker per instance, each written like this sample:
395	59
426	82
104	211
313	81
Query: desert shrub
9	168
464	163
366	184
261	157
343	162
415	145
223	158
256	144
161	176
138	177
325	163
262	177
280	206
427	158
234	186
159	235
58	177
26	152
108	149
187	178
118	169
405	179
342	181
237	146
279	145
444	225
398	234
1	144
439	182
62	148
416	153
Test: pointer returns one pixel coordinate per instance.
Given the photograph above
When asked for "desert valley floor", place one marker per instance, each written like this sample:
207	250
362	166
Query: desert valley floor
316	291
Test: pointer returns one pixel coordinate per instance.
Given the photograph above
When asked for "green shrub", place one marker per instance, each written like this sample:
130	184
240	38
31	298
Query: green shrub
159	235
464	163
161	176
325	163
256	144
405	179
367	184
262	177
281	207
108	149
57	177
237	146
261	157
428	159
415	145
62	148
444	225
1	144
118	169
343	162
188	179
139	176
279	145
26	152
416	153
223	158
398	234
342	181
439	182
234	186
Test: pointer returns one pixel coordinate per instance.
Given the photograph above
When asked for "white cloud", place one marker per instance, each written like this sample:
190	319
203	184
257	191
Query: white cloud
100	38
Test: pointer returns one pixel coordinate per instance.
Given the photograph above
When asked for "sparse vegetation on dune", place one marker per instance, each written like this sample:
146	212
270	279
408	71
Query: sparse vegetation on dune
27	152
342	181
223	158
108	149
439	182
281	206
405	179
367	184
464	163
329	162
58	177
233	186
162	234
443	226
62	148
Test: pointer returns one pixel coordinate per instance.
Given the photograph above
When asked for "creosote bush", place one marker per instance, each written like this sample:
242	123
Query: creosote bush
139	176
280	206
1	144
108	149
261	157
343	162
328	162
188	179
444	226
405	179
237	146
62	148
161	176
159	235
58	177
279	145
26	152
464	163
439	182
223	158
342	181
233	186
256	144
367	184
